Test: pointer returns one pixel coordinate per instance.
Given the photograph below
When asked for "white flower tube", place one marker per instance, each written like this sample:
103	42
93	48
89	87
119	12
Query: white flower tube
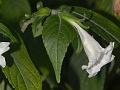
4	46
97	55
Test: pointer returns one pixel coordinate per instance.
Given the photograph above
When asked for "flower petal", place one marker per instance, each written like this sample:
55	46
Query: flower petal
4	46
2	61
107	57
91	46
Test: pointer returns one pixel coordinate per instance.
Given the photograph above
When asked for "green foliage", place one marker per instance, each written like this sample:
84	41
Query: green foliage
47	53
13	10
37	27
5	31
43	11
57	37
102	26
23	74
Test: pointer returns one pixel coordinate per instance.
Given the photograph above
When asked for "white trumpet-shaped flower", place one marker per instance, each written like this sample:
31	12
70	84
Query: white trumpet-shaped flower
4	46
97	55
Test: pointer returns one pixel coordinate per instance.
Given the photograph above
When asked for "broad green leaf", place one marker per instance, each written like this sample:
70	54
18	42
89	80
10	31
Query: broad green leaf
79	78
37	27
22	74
41	59
6	32
14	10
20	70
102	26
57	35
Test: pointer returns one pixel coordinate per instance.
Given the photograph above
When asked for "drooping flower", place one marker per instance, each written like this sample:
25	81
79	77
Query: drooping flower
4	46
98	56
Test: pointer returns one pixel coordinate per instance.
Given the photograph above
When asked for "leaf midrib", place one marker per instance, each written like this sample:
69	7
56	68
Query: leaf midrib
59	30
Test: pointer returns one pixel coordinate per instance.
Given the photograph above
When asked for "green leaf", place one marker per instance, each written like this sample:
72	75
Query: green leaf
37	27
57	35
14	10
5	31
43	11
22	74
77	44
80	80
41	59
20	70
102	26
